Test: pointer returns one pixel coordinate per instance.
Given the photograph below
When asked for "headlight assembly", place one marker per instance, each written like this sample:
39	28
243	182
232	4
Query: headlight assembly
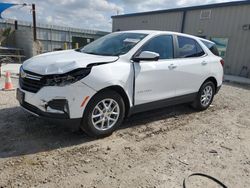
66	78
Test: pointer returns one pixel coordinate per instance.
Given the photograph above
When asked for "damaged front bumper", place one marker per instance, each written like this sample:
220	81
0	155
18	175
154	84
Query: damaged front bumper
55	112
56	102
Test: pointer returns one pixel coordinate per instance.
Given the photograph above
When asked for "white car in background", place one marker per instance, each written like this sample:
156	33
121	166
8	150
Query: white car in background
118	75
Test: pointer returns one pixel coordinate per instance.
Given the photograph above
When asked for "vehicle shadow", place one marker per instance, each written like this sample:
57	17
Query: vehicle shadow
23	134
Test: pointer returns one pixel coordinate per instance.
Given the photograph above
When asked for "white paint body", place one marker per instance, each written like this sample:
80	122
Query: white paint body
154	80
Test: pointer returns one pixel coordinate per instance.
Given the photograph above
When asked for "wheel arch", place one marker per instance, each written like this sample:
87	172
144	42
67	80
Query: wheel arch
121	92
212	79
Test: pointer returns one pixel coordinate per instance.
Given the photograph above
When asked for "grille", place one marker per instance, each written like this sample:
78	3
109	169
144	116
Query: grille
31	82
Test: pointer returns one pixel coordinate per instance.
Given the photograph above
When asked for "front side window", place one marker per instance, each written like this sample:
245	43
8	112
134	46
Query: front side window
163	45
114	44
188	47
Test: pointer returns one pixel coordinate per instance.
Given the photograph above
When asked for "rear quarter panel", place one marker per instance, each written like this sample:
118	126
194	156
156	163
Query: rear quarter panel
216	69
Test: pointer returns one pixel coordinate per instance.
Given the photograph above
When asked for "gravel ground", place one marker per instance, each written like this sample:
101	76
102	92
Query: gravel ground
153	149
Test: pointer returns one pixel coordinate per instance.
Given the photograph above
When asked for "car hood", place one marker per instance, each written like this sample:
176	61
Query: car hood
63	61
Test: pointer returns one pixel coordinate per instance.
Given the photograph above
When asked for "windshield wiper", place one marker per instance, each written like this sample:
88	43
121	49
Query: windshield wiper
93	53
90	53
99	54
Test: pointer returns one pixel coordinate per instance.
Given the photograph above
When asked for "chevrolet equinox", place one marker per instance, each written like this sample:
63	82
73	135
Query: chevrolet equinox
118	75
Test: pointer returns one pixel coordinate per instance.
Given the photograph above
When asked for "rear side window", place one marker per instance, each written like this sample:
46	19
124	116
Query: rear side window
163	45
188	48
212	47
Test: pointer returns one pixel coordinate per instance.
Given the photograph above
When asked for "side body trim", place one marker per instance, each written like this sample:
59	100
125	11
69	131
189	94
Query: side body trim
162	103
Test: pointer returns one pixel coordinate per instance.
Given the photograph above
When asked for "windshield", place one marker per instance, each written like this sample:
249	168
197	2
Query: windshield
113	44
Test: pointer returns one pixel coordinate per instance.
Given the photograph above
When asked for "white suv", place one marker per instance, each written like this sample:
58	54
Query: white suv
118	75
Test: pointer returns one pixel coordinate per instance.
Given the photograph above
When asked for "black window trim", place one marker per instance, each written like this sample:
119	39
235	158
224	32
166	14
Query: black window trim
173	43
213	44
177	47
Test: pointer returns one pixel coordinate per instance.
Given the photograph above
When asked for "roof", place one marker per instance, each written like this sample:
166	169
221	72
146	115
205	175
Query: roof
148	32
156	32
215	5
141	31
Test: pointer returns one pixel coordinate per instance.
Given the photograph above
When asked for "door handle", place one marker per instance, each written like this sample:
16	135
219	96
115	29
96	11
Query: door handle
203	62
172	66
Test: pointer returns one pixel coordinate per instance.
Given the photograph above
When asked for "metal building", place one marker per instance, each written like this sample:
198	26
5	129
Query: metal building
227	24
51	37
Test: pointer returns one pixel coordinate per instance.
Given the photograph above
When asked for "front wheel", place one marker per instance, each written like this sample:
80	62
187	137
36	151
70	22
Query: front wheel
205	96
103	114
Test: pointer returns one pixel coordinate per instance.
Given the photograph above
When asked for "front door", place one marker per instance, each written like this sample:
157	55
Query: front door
156	80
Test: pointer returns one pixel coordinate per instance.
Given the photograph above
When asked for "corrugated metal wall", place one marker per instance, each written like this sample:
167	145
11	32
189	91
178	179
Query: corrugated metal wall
164	21
224	22
52	36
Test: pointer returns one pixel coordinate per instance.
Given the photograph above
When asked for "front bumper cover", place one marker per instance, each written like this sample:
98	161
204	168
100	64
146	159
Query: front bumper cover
37	112
58	102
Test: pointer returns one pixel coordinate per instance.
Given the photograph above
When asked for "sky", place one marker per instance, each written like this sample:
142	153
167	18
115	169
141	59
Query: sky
90	14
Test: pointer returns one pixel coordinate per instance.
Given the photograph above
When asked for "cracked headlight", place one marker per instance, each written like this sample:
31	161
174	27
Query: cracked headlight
66	78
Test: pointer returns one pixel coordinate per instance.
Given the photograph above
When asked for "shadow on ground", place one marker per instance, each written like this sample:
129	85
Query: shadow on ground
23	134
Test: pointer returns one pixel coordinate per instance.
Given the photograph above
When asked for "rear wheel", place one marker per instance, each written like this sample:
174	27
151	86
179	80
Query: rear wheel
205	96
103	114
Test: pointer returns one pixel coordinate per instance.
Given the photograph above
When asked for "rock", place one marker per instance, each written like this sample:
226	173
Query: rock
19	184
213	151
87	160
173	146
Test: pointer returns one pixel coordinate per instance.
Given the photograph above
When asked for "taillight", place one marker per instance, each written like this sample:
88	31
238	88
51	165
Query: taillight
222	62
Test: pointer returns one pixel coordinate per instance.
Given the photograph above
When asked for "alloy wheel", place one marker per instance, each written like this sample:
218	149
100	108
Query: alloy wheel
206	95
105	114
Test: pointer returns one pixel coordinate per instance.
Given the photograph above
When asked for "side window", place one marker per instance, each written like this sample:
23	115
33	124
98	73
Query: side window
163	45
189	48
212	47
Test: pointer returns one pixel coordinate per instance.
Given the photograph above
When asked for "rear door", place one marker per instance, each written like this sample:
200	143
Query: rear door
192	65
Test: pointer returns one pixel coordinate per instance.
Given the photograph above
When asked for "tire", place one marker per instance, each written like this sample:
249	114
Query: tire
99	120
205	96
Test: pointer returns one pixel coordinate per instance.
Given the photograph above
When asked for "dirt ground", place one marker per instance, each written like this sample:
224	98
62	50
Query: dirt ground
153	149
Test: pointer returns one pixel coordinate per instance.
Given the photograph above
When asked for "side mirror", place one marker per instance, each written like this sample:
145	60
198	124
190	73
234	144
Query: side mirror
147	56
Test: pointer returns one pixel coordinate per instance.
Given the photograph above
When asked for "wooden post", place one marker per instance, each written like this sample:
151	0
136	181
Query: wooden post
65	46
16	25
77	45
34	20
